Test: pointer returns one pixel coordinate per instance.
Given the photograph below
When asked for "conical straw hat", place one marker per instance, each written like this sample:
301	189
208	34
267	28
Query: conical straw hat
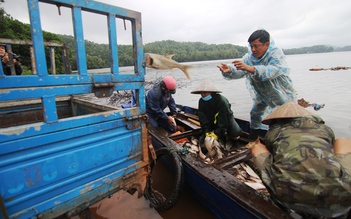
206	86
285	111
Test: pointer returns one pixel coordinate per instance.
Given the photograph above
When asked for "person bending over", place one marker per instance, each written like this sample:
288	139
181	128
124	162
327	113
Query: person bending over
157	99
302	165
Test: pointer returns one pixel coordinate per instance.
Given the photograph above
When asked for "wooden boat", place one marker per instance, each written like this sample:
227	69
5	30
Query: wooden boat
215	185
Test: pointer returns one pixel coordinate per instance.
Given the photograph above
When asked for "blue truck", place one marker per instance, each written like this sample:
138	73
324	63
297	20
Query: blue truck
62	148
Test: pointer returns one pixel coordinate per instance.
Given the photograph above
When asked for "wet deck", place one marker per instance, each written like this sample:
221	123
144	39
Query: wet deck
221	174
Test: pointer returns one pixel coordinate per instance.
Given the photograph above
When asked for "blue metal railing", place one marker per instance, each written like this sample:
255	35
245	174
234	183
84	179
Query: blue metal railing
48	86
52	165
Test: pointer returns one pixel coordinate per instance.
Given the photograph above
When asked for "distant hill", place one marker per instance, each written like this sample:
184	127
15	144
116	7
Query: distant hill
345	48
98	57
316	49
183	51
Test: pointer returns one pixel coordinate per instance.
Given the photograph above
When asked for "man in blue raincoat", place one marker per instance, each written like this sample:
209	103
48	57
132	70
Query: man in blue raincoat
267	78
157	99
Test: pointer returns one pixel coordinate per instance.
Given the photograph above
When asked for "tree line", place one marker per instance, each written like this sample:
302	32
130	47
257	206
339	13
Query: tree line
311	49
97	55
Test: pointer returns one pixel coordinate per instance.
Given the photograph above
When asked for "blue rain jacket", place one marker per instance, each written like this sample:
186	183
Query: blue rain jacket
270	86
156	102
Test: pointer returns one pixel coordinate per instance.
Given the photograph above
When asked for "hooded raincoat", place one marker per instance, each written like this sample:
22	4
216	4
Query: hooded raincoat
270	86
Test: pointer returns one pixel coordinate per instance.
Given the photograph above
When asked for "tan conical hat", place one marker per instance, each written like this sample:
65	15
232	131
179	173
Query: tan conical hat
285	111
206	86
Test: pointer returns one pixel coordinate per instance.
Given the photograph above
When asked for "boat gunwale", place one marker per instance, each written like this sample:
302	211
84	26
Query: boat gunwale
245	196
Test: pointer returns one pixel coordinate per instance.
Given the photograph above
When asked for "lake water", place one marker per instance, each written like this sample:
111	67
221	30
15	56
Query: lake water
329	87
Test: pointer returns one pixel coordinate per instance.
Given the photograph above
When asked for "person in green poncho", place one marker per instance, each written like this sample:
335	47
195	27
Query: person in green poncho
215	114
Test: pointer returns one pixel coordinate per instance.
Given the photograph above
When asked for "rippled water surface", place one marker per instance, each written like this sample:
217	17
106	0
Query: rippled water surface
329	87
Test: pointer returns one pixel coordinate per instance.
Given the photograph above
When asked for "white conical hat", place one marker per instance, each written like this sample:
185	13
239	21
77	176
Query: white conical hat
285	111
206	86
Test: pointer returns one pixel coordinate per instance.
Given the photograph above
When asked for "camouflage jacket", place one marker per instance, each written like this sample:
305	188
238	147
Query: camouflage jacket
301	171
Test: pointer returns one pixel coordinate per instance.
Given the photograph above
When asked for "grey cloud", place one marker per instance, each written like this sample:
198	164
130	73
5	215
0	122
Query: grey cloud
291	23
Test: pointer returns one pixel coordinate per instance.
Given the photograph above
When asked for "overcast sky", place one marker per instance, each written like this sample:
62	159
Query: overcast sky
291	23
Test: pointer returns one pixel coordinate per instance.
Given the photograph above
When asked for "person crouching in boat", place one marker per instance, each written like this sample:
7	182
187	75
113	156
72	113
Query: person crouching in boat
215	114
302	165
157	99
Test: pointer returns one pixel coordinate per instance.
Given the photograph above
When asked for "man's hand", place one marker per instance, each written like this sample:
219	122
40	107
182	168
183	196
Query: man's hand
257	147
15	62
170	120
212	134
224	68
240	65
5	59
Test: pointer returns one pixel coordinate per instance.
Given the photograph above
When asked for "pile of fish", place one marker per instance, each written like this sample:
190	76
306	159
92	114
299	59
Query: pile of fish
248	176
212	146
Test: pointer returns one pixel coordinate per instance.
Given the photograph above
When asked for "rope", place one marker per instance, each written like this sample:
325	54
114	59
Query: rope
182	151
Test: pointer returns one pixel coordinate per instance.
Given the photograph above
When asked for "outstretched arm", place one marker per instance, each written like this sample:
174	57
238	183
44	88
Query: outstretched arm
230	72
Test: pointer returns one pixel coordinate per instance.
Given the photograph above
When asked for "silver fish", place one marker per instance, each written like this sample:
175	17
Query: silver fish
202	156
174	124
213	148
161	62
219	153
208	142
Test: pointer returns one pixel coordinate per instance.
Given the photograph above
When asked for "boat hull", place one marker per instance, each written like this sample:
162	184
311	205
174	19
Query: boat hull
213	185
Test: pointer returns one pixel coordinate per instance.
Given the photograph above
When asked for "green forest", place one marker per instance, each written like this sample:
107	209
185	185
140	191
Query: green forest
98	55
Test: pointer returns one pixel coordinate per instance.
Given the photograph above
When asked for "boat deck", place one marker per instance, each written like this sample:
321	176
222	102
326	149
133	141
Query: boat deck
221	176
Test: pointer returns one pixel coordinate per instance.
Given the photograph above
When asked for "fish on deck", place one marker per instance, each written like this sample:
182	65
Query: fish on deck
161	62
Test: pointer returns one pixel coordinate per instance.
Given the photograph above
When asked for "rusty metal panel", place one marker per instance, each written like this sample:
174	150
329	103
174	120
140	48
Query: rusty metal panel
79	36
41	172
37	37
60	156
